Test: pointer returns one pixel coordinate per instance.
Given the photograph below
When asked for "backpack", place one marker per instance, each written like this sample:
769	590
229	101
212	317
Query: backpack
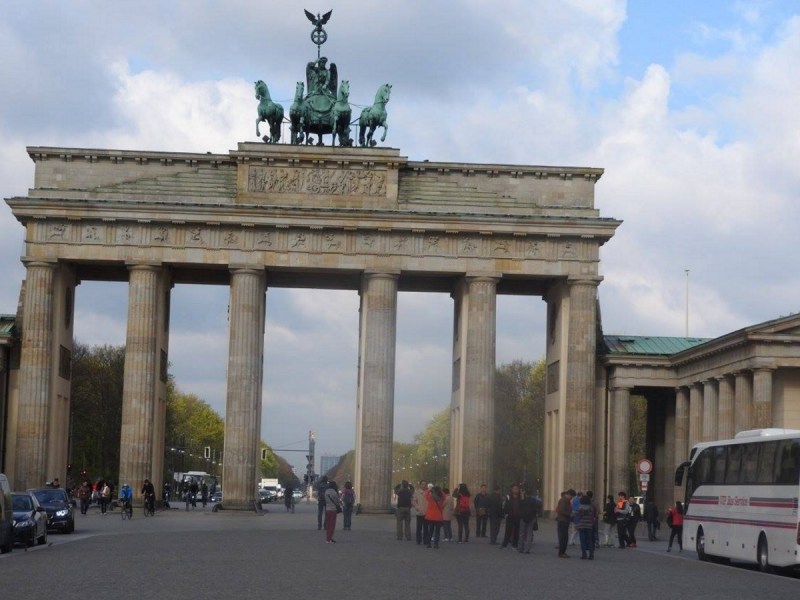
348	496
463	505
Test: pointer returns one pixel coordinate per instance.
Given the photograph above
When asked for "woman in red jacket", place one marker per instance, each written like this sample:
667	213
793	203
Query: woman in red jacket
433	515
675	522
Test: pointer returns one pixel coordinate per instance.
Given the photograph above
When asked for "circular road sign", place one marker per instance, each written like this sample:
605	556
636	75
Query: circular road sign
644	466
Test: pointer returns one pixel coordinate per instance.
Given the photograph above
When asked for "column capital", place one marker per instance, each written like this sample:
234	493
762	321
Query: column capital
244	269
490	277
584	280
381	274
143	266
30	261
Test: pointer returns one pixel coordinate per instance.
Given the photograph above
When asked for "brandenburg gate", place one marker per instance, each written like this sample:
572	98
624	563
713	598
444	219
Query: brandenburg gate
267	215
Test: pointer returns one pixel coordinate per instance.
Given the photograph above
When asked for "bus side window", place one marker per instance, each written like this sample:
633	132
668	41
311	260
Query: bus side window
720	461
749	464
786	468
701	470
766	463
734	465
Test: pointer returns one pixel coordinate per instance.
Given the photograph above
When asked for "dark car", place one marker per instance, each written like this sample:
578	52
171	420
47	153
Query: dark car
30	519
55	501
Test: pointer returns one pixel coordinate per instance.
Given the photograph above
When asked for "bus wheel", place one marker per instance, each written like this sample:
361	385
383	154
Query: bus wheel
700	544
763	555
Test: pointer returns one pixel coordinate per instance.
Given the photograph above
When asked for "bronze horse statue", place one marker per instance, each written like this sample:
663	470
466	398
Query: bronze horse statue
268	111
340	116
297	115
374	116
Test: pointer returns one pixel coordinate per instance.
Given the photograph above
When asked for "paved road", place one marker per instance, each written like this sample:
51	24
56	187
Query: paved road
197	555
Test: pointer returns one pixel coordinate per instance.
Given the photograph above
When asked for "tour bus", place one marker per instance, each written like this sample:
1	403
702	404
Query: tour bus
741	498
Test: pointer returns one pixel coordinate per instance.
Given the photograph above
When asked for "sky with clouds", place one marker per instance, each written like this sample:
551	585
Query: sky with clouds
690	107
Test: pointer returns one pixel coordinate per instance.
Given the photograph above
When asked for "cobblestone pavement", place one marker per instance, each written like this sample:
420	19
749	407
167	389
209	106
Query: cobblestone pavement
200	554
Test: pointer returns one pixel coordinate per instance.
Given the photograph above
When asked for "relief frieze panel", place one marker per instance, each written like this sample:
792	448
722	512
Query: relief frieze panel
334	182
445	244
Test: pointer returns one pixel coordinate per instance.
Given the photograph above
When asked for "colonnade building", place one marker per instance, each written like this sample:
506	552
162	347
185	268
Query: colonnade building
370	220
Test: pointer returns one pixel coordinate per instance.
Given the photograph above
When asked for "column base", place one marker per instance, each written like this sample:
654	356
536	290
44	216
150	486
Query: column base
240	506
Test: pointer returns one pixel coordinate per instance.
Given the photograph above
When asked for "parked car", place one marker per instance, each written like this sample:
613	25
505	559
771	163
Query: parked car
30	519
265	496
216	497
60	516
297	494
6	517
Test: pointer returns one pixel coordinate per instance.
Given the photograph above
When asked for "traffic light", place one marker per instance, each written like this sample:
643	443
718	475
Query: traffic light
305	478
263	454
69	468
208	452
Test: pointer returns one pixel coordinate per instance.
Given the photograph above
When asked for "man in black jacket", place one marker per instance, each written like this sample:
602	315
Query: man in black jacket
495	507
481	503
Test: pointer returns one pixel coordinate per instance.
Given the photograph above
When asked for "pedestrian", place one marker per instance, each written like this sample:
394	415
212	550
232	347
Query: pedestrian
563	519
633	521
609	520
651	518
433	515
404	493
288	498
481	504
105	496
348	504
675	522
204	493
333	506
495	509
576	503
463	511
529	513
85	496
320	489
448	507
585	526
193	491
511	509
420	505
596	524
622	512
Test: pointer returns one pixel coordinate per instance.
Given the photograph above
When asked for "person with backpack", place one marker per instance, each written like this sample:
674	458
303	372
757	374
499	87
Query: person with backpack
463	511
348	503
675	522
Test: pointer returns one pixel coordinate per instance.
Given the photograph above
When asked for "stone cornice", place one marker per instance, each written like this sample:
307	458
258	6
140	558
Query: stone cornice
504	170
94	155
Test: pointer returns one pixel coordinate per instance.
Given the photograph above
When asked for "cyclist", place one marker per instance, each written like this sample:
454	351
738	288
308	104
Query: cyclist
149	493
125	498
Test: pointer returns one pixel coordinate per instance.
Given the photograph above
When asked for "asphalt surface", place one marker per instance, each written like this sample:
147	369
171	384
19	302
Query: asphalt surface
200	554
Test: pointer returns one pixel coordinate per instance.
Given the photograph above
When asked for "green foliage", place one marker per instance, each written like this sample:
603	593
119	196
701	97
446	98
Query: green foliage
96	407
519	423
192	425
638	440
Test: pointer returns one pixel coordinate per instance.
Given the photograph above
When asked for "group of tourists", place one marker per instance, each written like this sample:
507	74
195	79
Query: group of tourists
330	502
580	512
434	508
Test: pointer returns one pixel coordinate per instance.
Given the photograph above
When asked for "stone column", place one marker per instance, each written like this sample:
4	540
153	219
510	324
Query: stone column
141	375
620	442
709	410
580	384
695	415
375	402
478	372
743	401
245	373
725	429
762	397
35	377
681	425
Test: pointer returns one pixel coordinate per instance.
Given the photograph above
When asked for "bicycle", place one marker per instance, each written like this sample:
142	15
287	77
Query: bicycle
127	510
149	506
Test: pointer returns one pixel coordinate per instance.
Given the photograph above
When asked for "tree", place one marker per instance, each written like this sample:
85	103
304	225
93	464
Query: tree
519	423
96	409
